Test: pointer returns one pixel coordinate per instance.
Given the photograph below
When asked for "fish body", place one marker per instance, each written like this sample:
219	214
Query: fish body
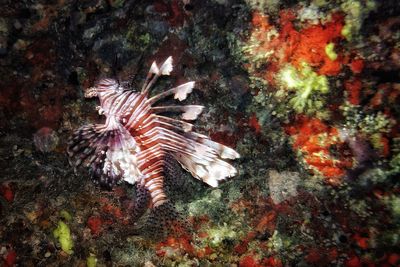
133	143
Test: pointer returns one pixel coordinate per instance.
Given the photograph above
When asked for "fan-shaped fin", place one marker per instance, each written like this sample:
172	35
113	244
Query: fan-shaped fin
222	150
108	151
196	153
210	171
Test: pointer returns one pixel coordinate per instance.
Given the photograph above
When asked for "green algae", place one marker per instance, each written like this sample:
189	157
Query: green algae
330	51
63	234
308	88
91	261
373	126
356	12
65	215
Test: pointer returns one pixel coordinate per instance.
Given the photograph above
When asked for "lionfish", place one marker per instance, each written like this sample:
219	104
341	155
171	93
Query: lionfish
135	142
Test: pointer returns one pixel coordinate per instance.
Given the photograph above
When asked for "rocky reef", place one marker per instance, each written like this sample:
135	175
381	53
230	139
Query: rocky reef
307	92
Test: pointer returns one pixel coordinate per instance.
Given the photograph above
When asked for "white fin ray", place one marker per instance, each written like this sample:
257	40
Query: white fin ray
178	124
192	112
211	173
189	112
180	92
187	127
183	90
223	151
156	72
154	69
166	67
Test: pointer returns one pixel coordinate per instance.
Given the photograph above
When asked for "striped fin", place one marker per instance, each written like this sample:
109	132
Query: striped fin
196	153
181	131
180	92
210	171
189	112
223	151
81	144
204	162
175	124
108	152
202	157
88	146
156	72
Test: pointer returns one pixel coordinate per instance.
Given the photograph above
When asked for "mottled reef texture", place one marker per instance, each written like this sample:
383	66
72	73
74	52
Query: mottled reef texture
307	92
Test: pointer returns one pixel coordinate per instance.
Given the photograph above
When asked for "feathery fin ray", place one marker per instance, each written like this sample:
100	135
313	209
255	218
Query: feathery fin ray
156	72
189	112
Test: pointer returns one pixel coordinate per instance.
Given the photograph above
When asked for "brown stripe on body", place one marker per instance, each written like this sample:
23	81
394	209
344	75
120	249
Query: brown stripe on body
135	110
155	184
143	127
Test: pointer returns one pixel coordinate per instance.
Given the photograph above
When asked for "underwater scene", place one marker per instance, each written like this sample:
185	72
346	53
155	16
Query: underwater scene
239	133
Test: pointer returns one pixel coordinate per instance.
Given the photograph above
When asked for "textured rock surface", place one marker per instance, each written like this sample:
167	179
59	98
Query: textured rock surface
283	185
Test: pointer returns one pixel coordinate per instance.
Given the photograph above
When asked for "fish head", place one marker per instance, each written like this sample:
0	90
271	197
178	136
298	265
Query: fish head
103	86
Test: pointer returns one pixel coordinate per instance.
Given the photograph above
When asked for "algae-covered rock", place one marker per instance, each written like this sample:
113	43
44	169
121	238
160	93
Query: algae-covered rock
356	12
